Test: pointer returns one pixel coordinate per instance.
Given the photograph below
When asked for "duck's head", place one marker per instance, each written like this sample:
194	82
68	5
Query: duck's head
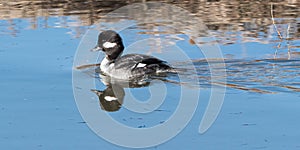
111	99
111	43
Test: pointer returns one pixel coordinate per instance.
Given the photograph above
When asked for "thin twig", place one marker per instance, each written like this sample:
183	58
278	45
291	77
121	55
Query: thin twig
279	35
288	40
87	66
240	87
277	47
288	31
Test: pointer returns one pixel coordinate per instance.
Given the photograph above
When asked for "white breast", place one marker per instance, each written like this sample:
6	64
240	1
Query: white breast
106	66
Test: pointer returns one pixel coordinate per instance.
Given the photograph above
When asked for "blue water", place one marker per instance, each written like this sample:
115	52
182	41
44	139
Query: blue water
38	111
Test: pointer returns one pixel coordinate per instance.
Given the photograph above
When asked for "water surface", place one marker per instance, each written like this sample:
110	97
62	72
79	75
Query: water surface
260	110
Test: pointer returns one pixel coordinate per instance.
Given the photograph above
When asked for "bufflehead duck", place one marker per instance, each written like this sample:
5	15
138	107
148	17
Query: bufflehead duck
111	98
128	66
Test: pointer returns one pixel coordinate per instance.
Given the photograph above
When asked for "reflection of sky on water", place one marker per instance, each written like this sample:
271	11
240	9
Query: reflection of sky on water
37	107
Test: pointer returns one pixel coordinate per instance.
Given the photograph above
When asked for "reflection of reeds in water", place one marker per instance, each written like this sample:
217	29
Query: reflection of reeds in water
223	17
81	13
265	76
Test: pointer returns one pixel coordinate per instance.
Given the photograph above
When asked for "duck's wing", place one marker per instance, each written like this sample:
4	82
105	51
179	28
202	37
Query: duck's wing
134	61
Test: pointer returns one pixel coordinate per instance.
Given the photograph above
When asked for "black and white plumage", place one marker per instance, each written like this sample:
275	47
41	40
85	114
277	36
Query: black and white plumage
128	66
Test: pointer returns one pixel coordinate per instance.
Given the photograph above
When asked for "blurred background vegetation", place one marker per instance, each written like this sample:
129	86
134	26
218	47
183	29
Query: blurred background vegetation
227	17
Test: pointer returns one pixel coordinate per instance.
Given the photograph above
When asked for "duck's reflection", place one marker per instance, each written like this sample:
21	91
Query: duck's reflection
111	99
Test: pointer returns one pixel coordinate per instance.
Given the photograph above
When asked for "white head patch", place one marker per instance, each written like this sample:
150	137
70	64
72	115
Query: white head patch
110	98
109	45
